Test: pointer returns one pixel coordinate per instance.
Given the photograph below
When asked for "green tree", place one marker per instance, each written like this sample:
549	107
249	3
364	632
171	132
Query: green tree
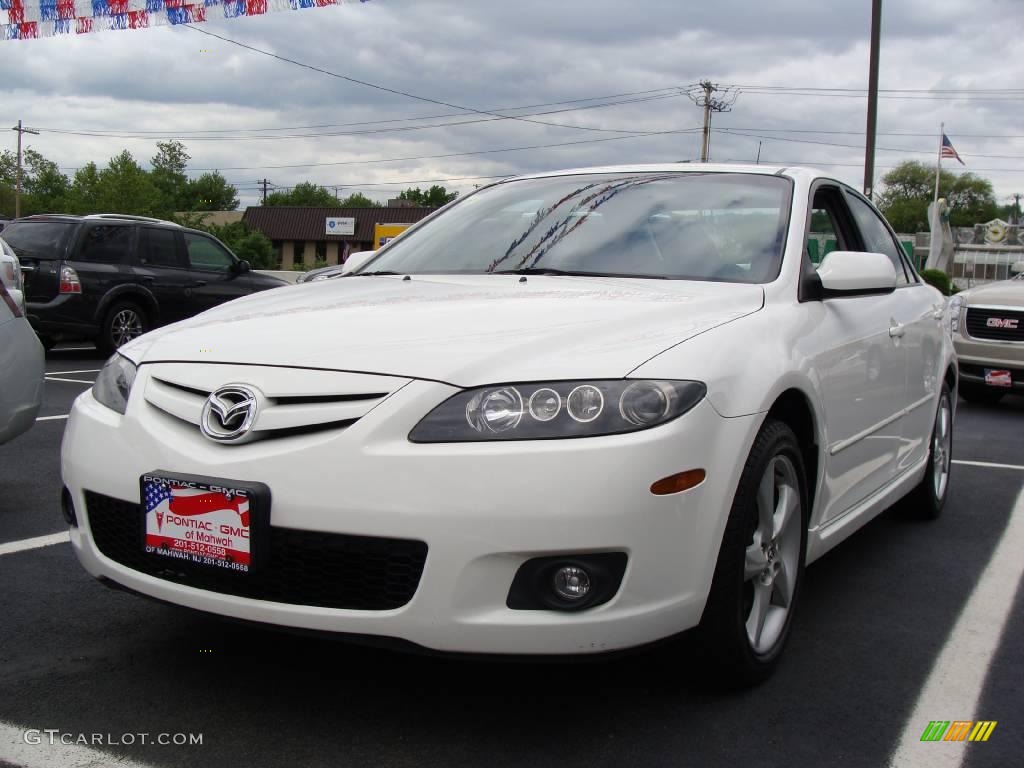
124	187
247	244
910	187
210	192
45	188
83	196
304	193
359	200
434	197
168	176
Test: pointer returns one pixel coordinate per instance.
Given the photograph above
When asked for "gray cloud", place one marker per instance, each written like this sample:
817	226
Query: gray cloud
499	54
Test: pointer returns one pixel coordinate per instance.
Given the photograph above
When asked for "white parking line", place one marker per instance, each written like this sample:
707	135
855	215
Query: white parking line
989	465
75	349
954	686
66	373
15	750
51	418
39	541
69	381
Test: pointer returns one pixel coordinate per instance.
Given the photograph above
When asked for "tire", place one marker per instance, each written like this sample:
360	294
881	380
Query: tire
926	501
123	322
756	585
979	393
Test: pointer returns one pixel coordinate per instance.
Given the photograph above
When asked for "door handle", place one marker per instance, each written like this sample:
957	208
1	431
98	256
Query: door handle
198	283
897	331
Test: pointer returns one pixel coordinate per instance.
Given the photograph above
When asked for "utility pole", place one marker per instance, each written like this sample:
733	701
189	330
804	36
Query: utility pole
1016	207
869	149
703	96
264	183
17	187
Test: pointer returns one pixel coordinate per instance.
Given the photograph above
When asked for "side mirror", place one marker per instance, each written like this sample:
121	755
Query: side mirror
241	267
356	260
852	273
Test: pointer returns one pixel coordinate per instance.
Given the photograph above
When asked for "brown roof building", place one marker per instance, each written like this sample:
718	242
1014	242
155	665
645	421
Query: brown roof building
305	235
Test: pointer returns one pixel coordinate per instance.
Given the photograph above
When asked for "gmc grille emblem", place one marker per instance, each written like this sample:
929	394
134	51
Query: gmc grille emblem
1010	323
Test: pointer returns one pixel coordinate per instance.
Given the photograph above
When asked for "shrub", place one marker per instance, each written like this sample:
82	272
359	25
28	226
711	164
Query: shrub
938	279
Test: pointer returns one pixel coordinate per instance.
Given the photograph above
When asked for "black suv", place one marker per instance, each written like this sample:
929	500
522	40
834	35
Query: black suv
111	278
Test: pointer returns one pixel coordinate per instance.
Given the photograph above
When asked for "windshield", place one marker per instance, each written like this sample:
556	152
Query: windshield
693	226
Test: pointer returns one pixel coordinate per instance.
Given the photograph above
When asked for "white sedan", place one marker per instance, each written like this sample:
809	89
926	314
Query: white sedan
571	413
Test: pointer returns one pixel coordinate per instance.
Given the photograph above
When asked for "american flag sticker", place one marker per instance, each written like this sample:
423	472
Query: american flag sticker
200	523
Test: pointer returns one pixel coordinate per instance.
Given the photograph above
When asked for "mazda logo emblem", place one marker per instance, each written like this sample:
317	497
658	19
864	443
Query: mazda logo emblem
228	414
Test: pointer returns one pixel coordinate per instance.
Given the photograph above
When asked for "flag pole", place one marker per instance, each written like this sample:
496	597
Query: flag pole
938	167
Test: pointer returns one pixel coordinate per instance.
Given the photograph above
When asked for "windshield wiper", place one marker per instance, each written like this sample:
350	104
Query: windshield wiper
373	274
573	273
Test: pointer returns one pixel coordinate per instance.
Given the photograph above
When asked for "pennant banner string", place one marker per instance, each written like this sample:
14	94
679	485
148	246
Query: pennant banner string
28	19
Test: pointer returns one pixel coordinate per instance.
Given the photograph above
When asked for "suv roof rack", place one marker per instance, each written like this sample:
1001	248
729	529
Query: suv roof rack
128	217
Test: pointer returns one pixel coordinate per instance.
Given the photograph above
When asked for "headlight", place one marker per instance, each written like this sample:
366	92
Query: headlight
560	409
955	306
114	383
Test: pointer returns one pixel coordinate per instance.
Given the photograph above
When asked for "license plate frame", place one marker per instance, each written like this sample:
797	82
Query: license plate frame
230	536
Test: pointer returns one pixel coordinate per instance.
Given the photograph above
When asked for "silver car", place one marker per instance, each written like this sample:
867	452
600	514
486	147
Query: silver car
21	355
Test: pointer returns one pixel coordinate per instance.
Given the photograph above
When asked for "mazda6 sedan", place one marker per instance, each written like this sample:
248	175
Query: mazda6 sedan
572	413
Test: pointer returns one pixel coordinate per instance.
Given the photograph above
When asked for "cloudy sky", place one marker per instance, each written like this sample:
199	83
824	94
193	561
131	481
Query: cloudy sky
249	114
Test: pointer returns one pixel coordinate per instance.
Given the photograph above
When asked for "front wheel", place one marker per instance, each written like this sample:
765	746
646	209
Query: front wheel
929	497
761	561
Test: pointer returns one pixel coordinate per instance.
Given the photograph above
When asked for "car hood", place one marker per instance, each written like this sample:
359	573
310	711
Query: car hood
1006	292
464	330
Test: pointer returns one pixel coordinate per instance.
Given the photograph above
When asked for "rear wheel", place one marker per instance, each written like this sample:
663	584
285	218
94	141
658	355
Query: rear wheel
979	393
123	322
760	564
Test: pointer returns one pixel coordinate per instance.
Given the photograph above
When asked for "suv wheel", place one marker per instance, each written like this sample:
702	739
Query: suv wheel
123	322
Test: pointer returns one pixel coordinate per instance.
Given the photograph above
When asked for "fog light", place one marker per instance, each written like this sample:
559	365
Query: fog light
571	583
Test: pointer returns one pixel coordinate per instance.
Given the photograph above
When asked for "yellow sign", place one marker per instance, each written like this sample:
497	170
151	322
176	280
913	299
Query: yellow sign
385	233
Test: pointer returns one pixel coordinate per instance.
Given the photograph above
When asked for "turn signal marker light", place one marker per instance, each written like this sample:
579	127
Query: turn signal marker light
682	481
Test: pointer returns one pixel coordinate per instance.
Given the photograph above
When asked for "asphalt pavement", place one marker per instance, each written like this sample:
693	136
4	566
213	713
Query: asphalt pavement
876	616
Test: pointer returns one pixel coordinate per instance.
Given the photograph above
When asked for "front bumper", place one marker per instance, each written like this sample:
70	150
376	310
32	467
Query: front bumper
482	509
976	355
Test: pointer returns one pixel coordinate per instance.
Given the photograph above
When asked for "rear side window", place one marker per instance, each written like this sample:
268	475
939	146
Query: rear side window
158	248
204	253
876	236
106	244
38	239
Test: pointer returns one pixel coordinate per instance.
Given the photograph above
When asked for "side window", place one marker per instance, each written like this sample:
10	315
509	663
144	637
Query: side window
106	244
204	253
822	237
158	248
876	236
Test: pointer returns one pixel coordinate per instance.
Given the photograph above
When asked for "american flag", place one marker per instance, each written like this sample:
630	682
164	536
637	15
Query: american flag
948	151
156	494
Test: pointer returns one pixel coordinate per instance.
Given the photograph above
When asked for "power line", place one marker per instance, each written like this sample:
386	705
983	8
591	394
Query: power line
395	91
369	131
672	91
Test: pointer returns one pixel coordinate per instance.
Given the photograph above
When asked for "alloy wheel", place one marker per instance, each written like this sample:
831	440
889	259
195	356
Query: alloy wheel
942	454
125	326
773	555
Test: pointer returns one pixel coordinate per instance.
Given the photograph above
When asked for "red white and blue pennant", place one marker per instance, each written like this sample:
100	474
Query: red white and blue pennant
27	19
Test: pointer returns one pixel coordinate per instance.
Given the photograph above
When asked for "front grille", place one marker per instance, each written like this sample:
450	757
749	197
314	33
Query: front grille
326	570
979	318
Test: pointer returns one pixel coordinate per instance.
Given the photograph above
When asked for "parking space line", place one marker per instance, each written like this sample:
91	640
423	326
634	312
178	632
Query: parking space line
955	683
75	349
989	465
51	418
33	748
68	373
69	381
39	541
